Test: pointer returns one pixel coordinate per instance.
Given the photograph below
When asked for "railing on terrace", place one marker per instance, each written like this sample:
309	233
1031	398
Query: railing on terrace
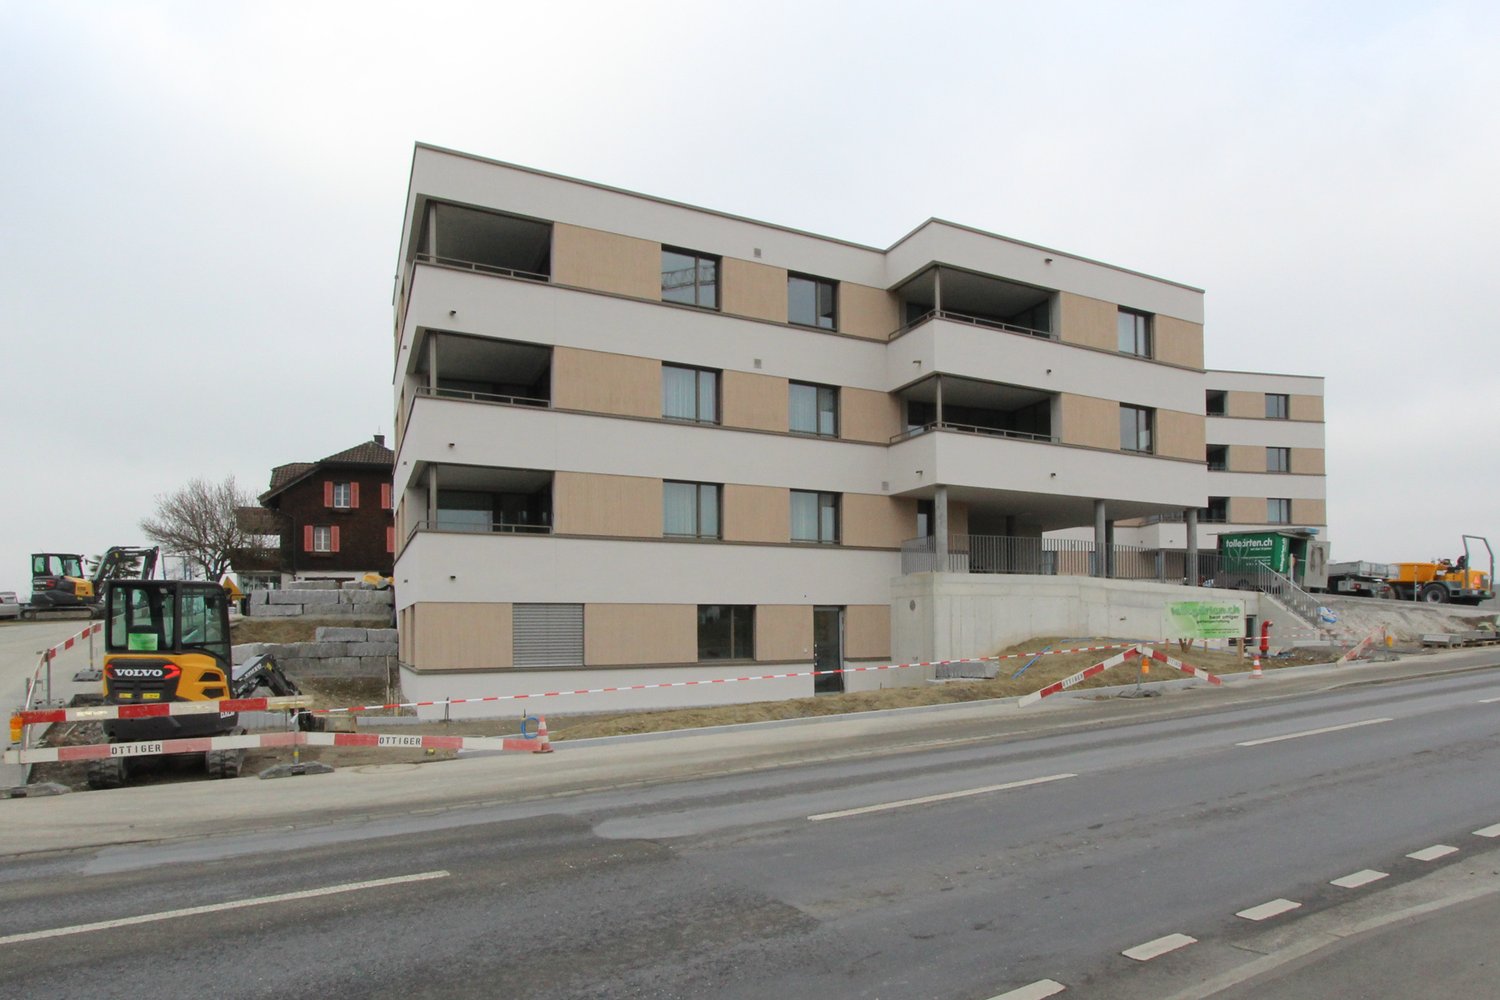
470	265
481	528
958	317
1177	517
934	425
481	397
1056	557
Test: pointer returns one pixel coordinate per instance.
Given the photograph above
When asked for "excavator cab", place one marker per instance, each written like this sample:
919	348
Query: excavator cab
57	580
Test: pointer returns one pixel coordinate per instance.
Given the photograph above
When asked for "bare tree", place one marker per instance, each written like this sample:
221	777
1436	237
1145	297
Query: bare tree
199	521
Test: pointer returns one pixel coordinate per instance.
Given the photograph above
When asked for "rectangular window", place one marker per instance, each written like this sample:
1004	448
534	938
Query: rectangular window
1277	406
726	632
1216	402
815	517
1135	428
1278	510
811	302
814	409
322	538
690	510
689	278
343	496
546	635
1278	460
1218	457
1134	330
1217	511
690	394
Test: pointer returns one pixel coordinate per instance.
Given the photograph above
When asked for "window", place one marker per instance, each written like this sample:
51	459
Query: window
726	632
1278	460
322	539
811	302
1215	402
1135	428
814	409
1278	510
1276	406
340	496
815	517
1134	333
546	635
690	394
690	510
1218	457
1217	511
689	278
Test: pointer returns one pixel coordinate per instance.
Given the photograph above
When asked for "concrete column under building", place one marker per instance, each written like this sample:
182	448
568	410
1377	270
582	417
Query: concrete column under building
1190	521
937	414
432	371
940	528
432	496
1100	537
1109	549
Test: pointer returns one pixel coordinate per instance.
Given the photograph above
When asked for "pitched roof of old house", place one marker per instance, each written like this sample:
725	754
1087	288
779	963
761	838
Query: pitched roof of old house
366	454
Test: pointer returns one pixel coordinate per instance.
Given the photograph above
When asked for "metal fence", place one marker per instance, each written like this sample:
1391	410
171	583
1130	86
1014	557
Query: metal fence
1056	557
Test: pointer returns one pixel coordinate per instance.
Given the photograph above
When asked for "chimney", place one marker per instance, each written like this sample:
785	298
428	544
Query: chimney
380	440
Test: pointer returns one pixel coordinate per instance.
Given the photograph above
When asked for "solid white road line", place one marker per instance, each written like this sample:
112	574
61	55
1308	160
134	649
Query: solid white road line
1162	945
1313	732
943	797
237	904
1433	853
1359	878
1488	701
1033	991
1265	911
1489	831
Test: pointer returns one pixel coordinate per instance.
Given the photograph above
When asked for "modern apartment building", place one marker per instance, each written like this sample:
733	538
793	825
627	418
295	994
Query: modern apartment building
640	442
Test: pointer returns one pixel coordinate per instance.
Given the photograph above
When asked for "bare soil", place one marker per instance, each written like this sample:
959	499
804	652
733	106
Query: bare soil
293	629
343	693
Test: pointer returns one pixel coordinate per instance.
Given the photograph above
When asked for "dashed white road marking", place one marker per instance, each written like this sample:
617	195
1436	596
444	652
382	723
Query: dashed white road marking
1265	911
236	904
1313	732
1359	878
1152	949
1033	991
941	797
1489	831
1488	701
1433	853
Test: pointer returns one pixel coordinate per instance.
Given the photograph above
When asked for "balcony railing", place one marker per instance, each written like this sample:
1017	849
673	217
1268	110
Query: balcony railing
470	265
481	527
958	317
912	432
481	397
1056	557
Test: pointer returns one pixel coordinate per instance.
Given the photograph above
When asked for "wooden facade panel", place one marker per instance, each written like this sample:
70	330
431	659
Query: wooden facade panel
873	313
1305	407
756	401
1177	341
867	415
1090	421
867	632
1180	435
783	632
598	382
1309	511
1308	461
606	262
1247	458
1086	321
1238	403
616	634
585	503
756	514
877	521
460	636
754	290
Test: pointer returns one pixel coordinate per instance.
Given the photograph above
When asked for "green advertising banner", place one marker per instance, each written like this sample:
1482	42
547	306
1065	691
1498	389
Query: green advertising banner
1206	619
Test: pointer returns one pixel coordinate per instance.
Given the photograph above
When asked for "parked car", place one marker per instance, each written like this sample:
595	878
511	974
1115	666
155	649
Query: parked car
10	606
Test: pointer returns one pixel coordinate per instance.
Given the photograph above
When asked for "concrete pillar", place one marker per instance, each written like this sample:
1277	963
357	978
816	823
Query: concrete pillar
432	371
1109	549
938	412
1190	521
937	289
432	496
940	527
1100	538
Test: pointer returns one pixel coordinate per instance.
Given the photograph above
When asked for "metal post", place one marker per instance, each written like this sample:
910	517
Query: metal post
47	658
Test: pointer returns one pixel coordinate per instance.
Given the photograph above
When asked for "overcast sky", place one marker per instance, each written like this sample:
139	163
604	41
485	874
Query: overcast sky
201	203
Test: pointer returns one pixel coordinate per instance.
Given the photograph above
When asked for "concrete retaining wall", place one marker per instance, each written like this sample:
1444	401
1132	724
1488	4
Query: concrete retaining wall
334	652
322	599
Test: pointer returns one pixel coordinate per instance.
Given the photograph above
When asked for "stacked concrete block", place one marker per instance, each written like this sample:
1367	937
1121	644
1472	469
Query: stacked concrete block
334	652
321	599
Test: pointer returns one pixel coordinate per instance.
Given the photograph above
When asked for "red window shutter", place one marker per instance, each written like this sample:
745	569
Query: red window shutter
354	495
328	493
333	545
390	538
307	538
385	496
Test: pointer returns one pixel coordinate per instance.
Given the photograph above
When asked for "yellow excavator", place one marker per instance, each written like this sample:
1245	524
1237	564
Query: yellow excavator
59	581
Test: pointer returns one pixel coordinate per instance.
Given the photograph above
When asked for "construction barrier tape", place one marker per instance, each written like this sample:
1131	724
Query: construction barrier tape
157	709
102	751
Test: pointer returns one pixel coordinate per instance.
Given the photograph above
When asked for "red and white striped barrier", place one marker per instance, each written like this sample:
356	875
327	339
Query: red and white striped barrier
1073	680
157	709
72	640
102	751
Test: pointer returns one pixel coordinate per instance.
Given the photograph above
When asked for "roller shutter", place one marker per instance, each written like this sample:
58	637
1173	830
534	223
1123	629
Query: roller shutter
547	635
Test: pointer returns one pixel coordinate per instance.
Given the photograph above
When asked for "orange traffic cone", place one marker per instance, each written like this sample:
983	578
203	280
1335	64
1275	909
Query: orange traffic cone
541	735
1255	667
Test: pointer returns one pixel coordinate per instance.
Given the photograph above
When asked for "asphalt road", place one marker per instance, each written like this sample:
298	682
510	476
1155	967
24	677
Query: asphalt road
1031	859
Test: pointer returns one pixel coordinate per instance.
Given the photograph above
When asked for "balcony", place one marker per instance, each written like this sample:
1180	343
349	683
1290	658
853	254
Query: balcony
486	242
481	370
969	406
478	500
976	300
1055	557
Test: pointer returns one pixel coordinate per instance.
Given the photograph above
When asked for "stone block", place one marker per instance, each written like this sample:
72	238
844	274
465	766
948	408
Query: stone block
372	649
353	585
370	597
335	633
245	650
319	598
381	635
275	597
258	597
278	611
315	585
341	666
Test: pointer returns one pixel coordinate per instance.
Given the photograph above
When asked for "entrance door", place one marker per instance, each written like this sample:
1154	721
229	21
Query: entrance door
828	649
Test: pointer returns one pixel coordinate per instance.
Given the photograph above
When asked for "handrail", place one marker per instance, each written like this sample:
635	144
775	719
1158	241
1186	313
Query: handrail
493	527
470	265
945	425
481	397
958	317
